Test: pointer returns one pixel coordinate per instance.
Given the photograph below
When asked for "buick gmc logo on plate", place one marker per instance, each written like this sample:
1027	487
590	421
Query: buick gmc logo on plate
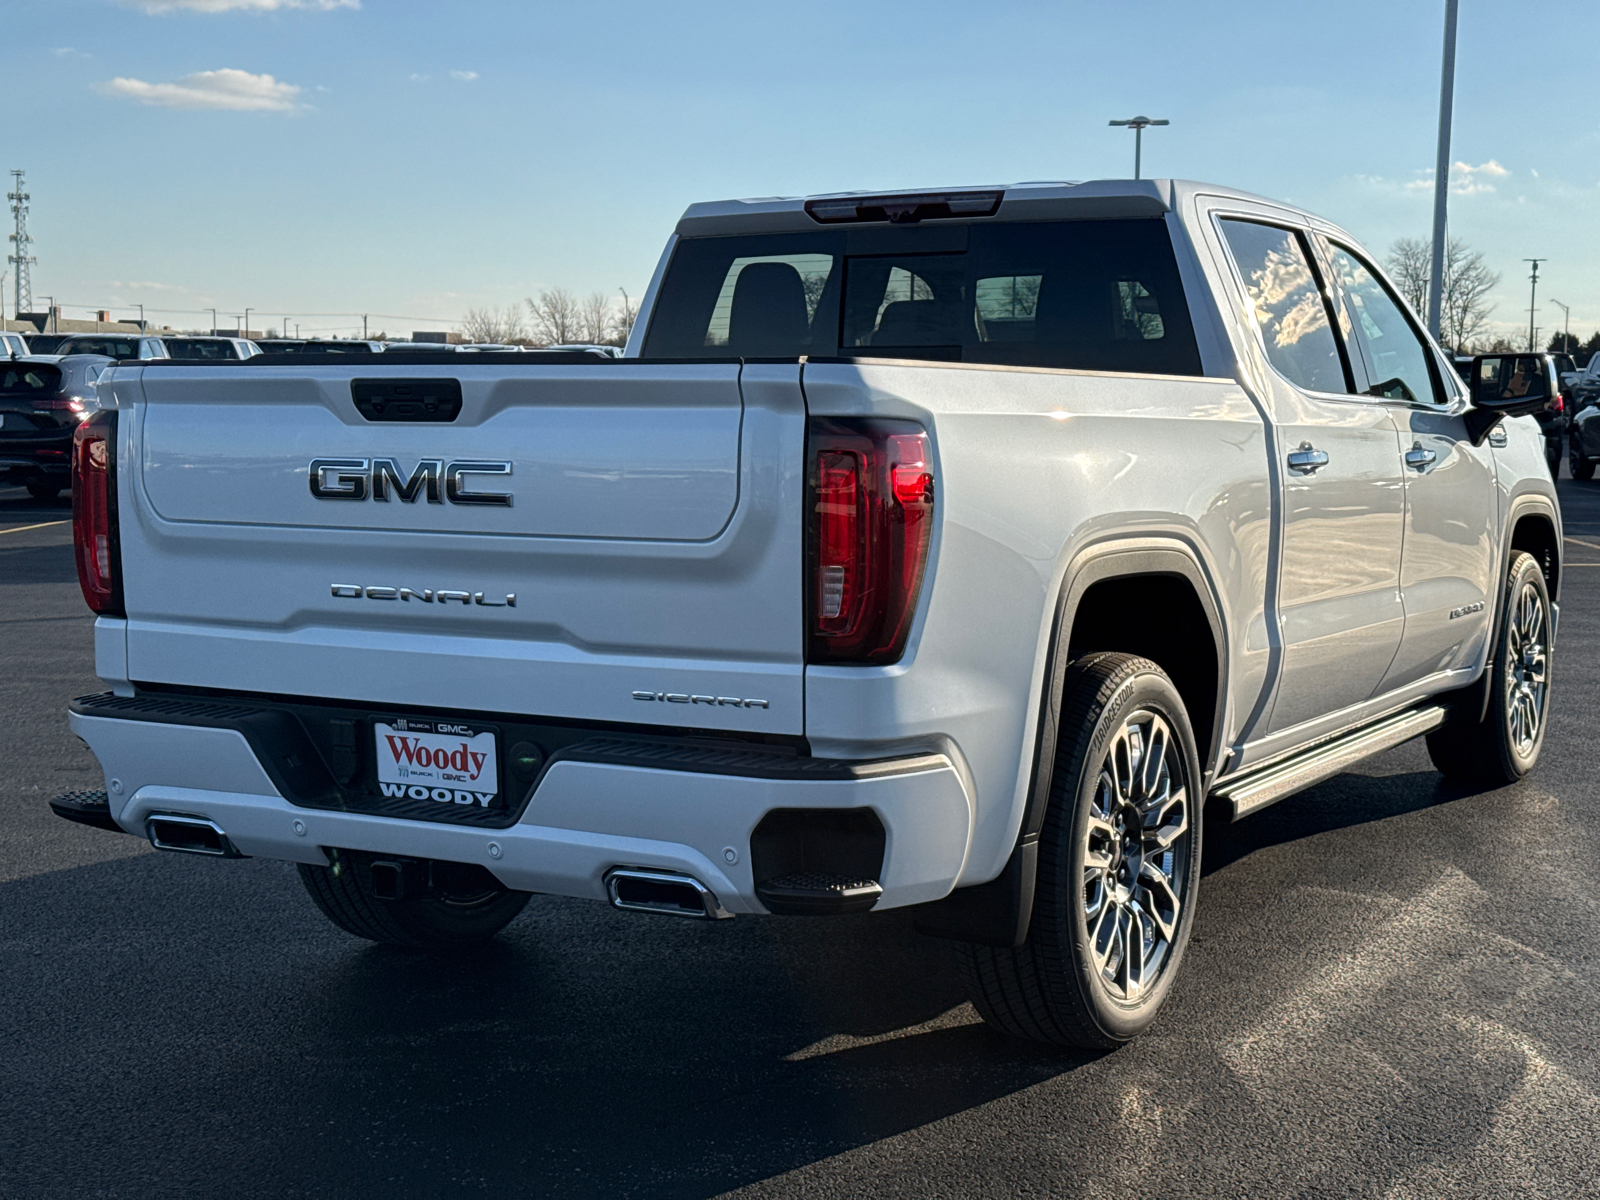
359	478
442	761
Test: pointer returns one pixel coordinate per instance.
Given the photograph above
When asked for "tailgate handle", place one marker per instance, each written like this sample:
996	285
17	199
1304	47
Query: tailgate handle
407	399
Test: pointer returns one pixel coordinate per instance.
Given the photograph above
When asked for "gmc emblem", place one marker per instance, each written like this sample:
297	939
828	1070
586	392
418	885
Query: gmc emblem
358	478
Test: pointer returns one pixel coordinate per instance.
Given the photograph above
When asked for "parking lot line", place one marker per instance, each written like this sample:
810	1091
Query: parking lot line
43	525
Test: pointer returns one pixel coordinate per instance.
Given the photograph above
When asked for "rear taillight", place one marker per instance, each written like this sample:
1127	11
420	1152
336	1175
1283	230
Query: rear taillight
94	513
58	404
871	522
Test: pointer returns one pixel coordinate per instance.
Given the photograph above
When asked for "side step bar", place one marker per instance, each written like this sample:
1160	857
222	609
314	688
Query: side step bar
1254	790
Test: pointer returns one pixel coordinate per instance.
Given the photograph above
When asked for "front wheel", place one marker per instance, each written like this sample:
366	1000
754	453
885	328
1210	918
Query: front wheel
468	911
1119	865
44	491
1504	746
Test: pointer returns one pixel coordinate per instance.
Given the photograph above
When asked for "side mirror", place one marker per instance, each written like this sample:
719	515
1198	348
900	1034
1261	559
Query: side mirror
1505	385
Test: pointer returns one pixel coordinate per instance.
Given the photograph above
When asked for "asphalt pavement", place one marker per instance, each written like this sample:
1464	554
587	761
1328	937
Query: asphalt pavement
1391	992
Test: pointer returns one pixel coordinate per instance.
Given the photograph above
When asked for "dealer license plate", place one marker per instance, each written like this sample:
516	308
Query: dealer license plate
447	762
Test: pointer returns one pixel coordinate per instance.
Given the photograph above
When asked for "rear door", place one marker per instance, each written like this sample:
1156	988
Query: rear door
611	542
1340	613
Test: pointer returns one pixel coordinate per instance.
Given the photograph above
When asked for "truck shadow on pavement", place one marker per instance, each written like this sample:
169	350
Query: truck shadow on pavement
585	1052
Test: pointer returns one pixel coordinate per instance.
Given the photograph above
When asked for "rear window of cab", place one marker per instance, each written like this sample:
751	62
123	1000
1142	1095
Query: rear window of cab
1099	295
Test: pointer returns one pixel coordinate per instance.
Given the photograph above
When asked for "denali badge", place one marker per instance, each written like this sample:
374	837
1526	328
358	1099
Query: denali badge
686	698
1465	609
354	591
357	478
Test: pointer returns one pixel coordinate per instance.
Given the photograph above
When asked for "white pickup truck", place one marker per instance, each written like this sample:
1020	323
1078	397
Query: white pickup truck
955	550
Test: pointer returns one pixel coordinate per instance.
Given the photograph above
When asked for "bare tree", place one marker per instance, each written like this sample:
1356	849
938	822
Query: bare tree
1465	307
594	318
622	321
1409	264
500	326
555	317
1467	284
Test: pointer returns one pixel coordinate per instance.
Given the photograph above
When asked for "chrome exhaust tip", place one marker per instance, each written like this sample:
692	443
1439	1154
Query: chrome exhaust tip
189	835
663	892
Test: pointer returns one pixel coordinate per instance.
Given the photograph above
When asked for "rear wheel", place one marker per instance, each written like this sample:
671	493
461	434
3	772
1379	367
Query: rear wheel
1580	466
1119	865
1504	746
467	912
44	491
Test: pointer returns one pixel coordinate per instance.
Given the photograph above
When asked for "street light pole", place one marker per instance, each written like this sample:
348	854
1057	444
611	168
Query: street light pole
245	332
1139	125
213	322
1566	326
1441	170
1533	292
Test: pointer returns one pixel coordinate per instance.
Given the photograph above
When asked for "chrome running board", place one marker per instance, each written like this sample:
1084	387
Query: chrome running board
1251	791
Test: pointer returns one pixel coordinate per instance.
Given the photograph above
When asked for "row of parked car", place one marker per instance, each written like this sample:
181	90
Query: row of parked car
1571	421
48	385
124	347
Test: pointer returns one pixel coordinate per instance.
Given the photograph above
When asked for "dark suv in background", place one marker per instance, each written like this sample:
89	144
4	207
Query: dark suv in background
41	404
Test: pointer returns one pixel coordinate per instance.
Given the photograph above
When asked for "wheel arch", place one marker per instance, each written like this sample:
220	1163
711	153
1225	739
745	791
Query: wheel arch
1106	589
1532	524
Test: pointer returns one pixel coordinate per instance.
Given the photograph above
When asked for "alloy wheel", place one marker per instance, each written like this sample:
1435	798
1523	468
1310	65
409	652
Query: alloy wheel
1136	856
1527	667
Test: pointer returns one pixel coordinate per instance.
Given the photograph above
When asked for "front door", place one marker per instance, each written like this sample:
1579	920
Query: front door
1446	571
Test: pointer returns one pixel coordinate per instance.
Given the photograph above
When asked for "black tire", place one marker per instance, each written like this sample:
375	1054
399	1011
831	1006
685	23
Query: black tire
1498	750
1579	466
450	922
44	491
1055	987
1552	456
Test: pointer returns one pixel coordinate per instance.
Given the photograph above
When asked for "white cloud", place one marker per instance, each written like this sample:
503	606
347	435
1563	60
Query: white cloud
1465	179
415	78
228	89
164	8
70	52
464	76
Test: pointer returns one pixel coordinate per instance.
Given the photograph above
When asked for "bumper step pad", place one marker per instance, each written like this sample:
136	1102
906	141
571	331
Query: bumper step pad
818	894
86	808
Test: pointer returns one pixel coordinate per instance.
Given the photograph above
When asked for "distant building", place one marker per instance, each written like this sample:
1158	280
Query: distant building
447	339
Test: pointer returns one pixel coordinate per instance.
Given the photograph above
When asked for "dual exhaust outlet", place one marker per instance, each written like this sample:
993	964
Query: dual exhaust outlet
647	891
661	892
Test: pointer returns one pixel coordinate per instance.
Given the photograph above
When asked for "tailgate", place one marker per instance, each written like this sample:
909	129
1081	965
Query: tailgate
577	538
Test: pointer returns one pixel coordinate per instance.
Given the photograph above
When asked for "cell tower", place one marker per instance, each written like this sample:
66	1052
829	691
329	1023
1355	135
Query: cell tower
19	257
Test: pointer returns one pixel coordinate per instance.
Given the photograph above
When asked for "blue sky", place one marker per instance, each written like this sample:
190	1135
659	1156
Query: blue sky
412	159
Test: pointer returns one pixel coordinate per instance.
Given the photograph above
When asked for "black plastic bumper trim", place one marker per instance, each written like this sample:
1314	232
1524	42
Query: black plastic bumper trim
305	752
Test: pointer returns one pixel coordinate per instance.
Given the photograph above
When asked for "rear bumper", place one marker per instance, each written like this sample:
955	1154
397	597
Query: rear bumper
583	819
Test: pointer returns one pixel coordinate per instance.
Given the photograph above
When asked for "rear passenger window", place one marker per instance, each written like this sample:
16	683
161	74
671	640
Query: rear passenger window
1288	307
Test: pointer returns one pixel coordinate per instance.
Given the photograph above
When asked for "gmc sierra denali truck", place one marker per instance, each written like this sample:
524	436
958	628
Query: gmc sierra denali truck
954	550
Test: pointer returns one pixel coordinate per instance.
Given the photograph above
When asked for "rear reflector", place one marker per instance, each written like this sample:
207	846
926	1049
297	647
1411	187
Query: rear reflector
94	513
871	522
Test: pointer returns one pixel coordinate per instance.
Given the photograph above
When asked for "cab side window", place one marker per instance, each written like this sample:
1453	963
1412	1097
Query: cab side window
1287	304
1399	365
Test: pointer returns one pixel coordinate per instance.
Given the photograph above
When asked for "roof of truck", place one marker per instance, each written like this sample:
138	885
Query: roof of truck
1033	200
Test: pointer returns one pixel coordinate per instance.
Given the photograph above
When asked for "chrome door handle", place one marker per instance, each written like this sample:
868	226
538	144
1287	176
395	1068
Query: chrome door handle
1307	459
1418	458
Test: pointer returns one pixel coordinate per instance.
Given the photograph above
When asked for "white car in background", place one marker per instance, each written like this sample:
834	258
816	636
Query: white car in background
221	348
13	345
